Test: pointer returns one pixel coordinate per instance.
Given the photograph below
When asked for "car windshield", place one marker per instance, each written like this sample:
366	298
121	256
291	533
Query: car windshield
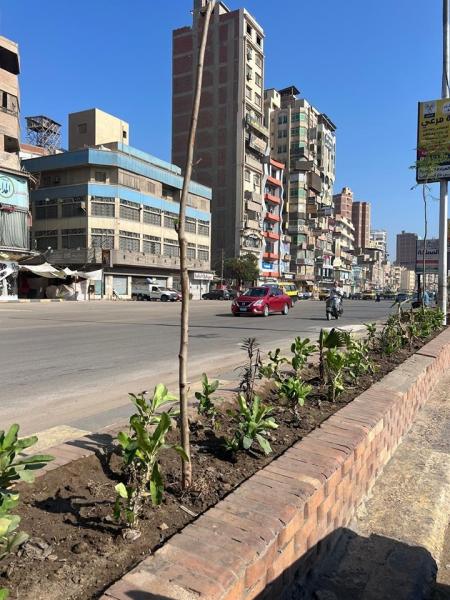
255	292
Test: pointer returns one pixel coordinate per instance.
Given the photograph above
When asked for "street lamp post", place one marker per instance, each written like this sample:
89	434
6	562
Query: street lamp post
443	204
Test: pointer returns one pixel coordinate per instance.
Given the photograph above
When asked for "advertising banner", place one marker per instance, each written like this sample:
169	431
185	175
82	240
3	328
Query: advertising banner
13	190
433	141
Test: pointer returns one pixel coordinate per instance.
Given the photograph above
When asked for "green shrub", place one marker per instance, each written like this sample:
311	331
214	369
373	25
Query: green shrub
272	369
294	390
205	404
302	350
141	449
335	364
253	421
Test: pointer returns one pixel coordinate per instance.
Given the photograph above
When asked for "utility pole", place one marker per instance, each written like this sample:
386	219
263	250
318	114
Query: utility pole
221	269
443	205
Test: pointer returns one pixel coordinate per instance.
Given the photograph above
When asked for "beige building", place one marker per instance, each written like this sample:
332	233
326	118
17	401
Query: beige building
344	244
407	280
304	140
14	203
232	139
95	127
115	207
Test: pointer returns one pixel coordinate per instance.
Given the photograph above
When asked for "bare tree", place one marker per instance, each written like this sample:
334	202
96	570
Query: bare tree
184	333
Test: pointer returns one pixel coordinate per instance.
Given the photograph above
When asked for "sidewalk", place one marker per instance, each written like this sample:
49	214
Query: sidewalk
397	540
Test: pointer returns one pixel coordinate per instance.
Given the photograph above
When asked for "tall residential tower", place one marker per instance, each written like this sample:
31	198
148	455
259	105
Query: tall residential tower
232	141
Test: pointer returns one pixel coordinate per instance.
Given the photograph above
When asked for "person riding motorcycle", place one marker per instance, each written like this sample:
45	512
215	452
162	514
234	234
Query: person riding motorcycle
334	301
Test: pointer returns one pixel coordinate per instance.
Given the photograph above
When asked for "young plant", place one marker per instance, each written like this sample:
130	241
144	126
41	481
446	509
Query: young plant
335	338
371	329
295	390
335	363
302	350
141	452
358	361
205	404
272	369
14	467
391	336
149	410
254	421
251	370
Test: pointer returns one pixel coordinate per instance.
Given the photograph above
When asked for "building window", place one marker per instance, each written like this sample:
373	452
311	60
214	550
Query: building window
73	207
203	252
130	210
249	73
82	128
171	248
169	192
258	40
247	175
152	216
129	180
258	60
203	227
248	92
100	176
151	187
170	222
256	182
151	244
191	252
102	238
249	30
190	225
249	53
102	206
129	240
46	210
258	80
46	239
73	238
257	99
124	135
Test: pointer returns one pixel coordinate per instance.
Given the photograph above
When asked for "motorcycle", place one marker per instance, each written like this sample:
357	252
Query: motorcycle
334	307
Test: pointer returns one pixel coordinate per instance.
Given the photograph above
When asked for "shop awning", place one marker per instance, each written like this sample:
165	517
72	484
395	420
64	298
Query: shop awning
93	275
44	270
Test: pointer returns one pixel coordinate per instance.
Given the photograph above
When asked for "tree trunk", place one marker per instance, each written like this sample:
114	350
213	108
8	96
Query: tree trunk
186	468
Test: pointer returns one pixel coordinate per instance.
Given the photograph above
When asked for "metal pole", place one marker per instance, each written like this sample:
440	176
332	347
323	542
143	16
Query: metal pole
443	205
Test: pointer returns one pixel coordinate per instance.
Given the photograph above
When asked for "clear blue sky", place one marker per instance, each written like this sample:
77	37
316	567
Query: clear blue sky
365	63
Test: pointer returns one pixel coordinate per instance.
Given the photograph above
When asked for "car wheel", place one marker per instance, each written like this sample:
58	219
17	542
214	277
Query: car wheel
164	298
328	316
265	311
285	309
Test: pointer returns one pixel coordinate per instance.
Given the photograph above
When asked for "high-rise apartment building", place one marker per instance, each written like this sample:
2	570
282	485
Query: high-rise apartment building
406	250
361	221
343	203
378	239
14	205
232	141
304	139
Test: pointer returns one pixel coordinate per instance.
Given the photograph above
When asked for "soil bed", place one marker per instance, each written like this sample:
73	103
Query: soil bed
77	550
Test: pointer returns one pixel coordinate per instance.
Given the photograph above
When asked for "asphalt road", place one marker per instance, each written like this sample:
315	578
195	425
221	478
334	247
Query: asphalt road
74	363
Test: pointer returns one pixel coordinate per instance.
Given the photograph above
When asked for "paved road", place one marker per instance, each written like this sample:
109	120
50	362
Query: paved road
74	363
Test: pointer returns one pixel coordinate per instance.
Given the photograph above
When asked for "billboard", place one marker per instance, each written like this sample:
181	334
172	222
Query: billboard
433	141
431	256
13	190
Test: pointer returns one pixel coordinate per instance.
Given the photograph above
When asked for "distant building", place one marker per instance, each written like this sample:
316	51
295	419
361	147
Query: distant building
232	140
344	240
343	203
14	183
406	250
361	221
378	239
115	207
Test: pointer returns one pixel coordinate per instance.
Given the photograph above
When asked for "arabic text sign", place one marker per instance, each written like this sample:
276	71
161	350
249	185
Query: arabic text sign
433	141
431	256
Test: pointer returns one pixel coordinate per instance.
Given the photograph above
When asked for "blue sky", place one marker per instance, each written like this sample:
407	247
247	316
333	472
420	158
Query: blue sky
364	63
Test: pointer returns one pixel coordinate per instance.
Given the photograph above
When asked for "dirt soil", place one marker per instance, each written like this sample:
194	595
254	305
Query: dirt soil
77	550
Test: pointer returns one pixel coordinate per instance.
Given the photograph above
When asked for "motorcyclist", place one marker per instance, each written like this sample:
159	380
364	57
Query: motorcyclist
336	292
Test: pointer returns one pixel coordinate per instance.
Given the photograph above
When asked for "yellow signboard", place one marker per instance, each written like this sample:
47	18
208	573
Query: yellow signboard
433	141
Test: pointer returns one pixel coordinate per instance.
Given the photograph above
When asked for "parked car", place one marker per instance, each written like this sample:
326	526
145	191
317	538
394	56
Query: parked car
147	291
223	294
178	294
368	295
263	301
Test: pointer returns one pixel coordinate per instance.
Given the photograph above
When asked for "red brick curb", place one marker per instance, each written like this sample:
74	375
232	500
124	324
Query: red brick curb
271	529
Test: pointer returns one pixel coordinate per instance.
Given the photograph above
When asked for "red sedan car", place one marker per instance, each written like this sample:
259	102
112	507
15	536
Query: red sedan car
261	301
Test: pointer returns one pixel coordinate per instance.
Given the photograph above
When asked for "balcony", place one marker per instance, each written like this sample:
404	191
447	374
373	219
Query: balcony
272	198
274	181
272	217
253	206
251	224
298	228
254	196
308	262
253	162
271	255
271	235
259	127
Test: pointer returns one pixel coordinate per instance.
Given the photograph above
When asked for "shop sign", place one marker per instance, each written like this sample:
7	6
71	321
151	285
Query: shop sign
204	276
